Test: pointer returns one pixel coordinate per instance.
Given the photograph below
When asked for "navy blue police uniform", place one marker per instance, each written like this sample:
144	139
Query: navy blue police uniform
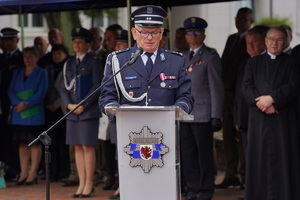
8	62
81	79
167	85
174	90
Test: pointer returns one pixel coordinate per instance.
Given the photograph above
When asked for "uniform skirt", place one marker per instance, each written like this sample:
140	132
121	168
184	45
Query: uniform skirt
83	132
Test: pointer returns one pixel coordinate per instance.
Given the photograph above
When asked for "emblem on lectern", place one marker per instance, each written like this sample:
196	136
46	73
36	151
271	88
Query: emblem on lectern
146	149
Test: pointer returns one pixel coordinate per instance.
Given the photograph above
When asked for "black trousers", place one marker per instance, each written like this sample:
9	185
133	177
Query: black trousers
196	141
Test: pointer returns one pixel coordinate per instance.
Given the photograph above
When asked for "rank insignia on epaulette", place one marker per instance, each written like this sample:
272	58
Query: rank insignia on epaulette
162	57
121	51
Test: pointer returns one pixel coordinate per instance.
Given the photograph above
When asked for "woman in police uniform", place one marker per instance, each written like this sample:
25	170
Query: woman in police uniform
82	75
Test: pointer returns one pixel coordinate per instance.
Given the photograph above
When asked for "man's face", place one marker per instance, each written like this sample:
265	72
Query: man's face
41	44
195	38
180	41
109	41
243	22
97	40
255	45
55	37
275	41
80	46
121	45
147	38
10	44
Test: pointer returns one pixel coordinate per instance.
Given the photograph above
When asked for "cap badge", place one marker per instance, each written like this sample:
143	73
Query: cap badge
193	20
149	10
119	32
77	30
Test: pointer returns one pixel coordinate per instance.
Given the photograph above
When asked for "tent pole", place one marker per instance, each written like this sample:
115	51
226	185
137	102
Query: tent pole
130	43
21	18
170	38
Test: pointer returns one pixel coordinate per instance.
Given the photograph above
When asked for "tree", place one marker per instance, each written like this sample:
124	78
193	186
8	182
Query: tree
65	21
274	21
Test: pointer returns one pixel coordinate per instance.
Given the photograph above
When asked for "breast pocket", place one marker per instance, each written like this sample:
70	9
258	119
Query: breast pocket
132	84
169	84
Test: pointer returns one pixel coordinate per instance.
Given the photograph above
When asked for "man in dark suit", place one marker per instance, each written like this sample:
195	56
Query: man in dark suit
234	52
96	47
204	67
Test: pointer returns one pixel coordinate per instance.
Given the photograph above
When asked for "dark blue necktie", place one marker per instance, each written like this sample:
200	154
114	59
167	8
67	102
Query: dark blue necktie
149	63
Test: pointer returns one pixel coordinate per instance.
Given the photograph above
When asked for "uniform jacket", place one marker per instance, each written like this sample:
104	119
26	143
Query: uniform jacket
89	66
174	91
38	82
205	70
6	67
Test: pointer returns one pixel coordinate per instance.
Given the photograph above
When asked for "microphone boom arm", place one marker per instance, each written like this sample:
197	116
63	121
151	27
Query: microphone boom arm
45	139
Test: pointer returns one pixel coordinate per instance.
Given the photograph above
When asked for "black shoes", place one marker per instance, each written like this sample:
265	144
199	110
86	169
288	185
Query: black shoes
88	195
227	182
76	196
84	195
34	181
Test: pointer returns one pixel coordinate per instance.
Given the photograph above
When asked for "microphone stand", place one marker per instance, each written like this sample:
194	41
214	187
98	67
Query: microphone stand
46	140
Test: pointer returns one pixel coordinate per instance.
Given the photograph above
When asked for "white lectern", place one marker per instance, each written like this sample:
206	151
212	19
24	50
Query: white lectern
148	151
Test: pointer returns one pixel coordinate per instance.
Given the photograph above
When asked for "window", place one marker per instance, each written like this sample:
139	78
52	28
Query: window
33	20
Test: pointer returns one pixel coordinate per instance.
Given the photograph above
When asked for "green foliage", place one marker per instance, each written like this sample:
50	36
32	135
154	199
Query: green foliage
275	21
69	20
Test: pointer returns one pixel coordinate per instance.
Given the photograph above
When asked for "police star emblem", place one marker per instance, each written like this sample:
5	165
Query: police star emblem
146	149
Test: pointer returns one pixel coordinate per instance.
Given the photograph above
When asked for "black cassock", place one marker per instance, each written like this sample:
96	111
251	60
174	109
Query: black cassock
272	160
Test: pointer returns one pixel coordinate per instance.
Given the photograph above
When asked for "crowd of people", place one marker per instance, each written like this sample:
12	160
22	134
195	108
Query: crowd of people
250	92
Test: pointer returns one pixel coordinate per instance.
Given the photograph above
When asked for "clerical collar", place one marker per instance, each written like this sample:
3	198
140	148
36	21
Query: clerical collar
81	57
273	57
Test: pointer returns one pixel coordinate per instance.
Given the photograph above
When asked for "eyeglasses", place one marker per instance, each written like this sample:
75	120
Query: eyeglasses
146	34
279	40
193	33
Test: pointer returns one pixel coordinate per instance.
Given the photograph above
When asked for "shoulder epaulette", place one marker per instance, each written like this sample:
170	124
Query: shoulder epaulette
121	51
212	50
173	52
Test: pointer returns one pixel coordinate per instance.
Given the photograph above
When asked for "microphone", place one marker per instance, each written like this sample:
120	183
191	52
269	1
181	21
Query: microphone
135	56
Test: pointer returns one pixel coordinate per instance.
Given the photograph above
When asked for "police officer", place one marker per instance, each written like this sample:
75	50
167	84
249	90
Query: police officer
11	58
204	67
157	80
121	40
82	75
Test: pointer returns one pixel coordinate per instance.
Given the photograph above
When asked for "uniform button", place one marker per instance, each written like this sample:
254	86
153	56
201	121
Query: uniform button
149	100
170	86
130	86
149	86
